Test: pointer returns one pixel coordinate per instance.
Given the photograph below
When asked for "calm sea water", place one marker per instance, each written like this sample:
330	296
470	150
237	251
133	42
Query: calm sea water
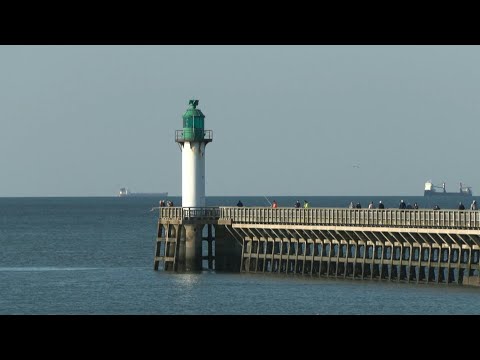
95	256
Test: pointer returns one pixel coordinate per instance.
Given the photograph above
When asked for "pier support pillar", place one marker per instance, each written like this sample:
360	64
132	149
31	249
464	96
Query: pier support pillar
193	248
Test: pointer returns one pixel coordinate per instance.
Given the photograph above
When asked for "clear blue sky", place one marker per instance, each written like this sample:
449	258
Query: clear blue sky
287	120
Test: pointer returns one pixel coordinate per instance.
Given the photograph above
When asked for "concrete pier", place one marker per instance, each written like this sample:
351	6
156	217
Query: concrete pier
190	239
421	246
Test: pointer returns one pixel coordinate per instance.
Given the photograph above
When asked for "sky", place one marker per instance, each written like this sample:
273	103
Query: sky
286	120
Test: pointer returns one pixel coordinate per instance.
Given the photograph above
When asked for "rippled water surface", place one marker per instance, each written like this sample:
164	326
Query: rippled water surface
95	256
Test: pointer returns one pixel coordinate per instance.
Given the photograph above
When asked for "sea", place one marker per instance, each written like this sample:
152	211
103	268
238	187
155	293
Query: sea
94	256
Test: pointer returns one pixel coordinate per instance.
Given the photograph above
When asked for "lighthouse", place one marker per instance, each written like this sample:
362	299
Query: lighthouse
180	240
192	140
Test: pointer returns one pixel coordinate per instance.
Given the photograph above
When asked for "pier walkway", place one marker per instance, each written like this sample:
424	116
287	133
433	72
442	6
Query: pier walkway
421	246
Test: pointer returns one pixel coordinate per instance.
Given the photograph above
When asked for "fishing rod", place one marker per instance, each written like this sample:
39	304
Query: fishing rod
267	200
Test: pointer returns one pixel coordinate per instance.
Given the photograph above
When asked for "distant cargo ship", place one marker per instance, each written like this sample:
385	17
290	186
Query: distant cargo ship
125	192
434	190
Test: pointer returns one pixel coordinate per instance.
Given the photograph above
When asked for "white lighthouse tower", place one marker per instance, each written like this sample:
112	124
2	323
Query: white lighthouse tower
192	140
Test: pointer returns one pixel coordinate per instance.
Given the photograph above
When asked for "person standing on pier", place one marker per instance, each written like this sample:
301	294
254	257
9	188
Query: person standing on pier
297	204
461	206
380	205
306	205
240	204
474	205
274	204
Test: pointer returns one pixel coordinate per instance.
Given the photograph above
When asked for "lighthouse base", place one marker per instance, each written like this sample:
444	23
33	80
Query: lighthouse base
193	248
195	244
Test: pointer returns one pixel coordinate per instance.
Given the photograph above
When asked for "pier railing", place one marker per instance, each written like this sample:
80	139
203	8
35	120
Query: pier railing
180	213
455	219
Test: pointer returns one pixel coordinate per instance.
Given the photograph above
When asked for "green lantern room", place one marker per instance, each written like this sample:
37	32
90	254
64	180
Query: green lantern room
193	123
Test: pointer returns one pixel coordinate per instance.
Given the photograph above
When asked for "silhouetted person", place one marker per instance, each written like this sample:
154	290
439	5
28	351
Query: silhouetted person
380	205
358	206
415	206
297	204
240	204
461	206
402	205
474	205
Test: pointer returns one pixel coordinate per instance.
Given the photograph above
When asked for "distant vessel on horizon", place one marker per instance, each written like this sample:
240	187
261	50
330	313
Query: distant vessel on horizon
431	190
125	192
